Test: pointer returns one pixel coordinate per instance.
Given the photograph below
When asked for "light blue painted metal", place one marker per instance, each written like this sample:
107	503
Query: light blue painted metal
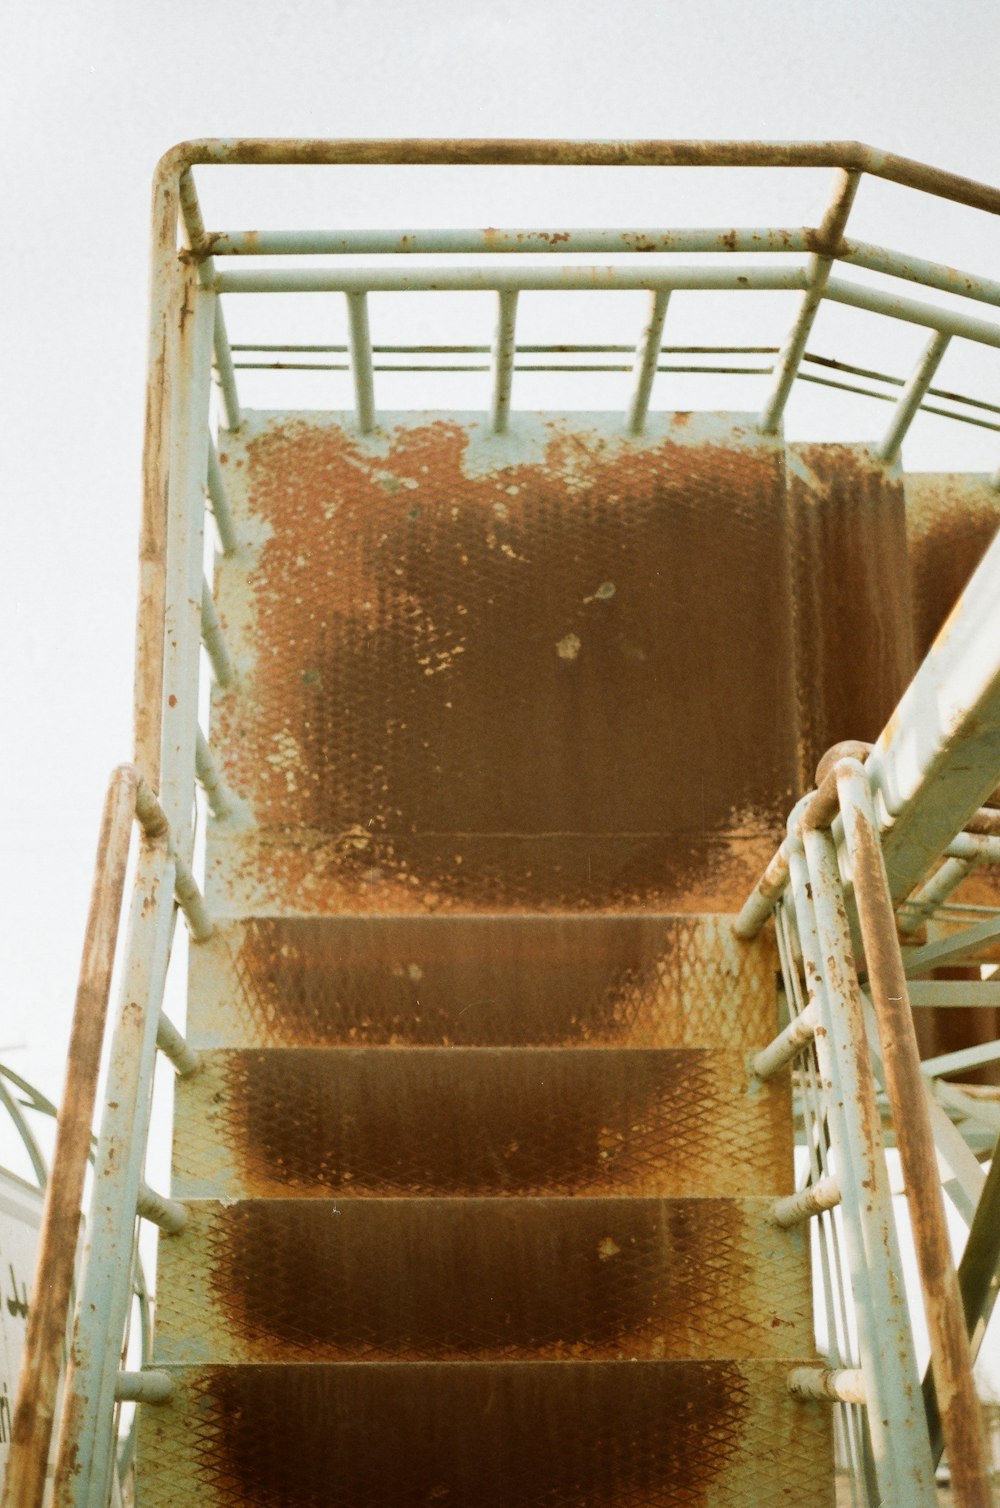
593	242
787	365
85	1443
896	1421
361	360
498	279
913	395
224	370
185	545
503	361
645	367
951	1358
218	499
214	639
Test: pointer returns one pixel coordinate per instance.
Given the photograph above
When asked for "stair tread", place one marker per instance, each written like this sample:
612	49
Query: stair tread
501	980
263	1280
479	1120
563	1434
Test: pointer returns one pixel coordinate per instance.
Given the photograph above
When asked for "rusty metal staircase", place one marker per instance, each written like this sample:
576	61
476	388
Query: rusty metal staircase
481	1212
483	1183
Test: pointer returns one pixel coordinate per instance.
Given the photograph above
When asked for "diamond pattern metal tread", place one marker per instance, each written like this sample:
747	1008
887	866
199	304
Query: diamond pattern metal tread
688	1434
270	1123
424	1279
502	980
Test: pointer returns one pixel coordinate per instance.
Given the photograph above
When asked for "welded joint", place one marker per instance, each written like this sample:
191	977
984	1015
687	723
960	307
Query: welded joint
169	1214
806	1203
144	1387
796	1036
155	824
827	1385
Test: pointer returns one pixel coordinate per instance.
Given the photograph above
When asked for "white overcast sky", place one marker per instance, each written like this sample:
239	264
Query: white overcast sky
91	93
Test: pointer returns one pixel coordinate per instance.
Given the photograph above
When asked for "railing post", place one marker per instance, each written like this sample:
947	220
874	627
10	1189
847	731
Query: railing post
86	1443
24	1480
951	1357
185	544
820	263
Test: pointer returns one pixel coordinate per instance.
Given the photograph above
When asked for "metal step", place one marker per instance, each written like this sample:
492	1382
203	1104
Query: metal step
258	1123
468	980
417	1279
660	1434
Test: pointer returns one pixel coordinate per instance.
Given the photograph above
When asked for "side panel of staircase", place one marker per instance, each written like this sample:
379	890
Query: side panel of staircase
549	670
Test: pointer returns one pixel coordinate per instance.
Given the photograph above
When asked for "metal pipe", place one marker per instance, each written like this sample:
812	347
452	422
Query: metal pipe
498	279
911	311
219	499
852	155
156	826
220	798
83	1467
160	361
912	396
594	242
952	1361
175	1047
214	639
34	1413
169	1214
765	895
144	1387
961	1061
184	564
915	270
645	366
503	361
797	1035
959	947
225	371
827	1384
787	365
933	895
814	1199
885	1340
361	360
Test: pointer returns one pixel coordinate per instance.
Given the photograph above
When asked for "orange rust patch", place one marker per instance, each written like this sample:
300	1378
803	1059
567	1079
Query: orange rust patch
559	683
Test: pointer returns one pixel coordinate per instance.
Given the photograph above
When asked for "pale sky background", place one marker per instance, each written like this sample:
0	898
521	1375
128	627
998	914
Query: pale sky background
92	93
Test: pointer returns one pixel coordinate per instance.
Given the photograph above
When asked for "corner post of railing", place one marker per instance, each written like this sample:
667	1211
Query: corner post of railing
362	369
504	352
828	238
912	396
950	1352
34	1414
160	364
86	1445
184	560
198	243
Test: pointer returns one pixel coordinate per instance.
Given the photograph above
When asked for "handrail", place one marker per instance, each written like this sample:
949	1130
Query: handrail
34	1415
128	798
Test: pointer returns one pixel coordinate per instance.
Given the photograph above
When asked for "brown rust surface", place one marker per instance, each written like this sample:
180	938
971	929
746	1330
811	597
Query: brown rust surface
561	1435
640	981
479	1121
854	638
423	1279
549	673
